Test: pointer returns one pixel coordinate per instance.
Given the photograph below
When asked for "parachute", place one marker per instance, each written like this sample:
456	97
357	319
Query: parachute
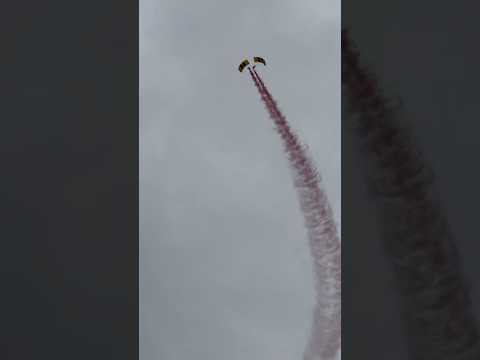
243	64
258	59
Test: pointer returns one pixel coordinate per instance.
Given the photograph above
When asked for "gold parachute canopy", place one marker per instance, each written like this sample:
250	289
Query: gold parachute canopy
258	59
243	64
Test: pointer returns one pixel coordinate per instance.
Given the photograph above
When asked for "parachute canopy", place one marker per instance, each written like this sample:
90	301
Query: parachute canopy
243	64
258	59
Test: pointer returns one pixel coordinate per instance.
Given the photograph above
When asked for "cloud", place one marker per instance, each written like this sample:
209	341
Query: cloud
215	190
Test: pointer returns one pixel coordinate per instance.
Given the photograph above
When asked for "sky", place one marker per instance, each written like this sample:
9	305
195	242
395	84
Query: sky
225	268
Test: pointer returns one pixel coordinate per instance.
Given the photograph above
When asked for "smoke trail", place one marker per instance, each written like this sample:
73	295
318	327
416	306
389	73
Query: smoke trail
416	234
324	244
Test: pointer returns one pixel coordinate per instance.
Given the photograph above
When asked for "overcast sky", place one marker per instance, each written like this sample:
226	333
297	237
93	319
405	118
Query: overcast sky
225	270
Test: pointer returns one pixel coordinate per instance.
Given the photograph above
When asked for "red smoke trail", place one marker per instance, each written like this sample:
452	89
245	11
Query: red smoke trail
324	243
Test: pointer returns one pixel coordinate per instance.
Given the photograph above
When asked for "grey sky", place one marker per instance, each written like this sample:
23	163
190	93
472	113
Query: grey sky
225	270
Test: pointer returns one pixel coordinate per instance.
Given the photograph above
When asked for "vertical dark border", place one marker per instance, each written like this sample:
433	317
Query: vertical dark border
421	53
69	180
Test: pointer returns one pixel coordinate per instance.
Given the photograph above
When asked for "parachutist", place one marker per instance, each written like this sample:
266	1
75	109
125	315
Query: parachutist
256	60
243	64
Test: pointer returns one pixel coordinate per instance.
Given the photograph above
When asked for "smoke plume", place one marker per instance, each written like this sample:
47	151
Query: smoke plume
325	247
415	231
